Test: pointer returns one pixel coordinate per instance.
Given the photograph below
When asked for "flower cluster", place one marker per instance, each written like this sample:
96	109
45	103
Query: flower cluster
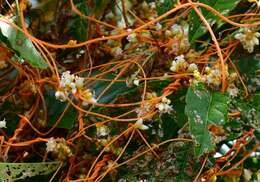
147	106
212	76
59	147
132	38
232	89
164	106
248	39
179	64
70	83
180	39
102	130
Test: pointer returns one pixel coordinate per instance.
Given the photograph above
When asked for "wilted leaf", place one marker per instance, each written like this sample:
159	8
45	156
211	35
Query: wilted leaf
18	171
203	108
22	45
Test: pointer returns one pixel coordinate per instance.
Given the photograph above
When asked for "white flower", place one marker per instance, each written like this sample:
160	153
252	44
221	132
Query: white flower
232	90
145	109
192	67
79	81
51	145
133	80
164	106
136	82
212	76
158	26
179	64
3	123
88	97
132	37
152	5
116	51
176	29
248	39
102	131
61	96
166	101
69	84
139	124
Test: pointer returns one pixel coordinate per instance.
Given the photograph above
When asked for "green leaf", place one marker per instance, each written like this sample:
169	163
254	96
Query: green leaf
203	108
197	28
117	88
169	126
18	171
100	7
165	6
20	43
55	109
78	26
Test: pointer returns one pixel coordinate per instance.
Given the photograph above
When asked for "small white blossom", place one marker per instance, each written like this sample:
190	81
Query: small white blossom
121	24
132	37
164	106
176	29
232	90
158	26
69	83
3	123
102	130
139	124
116	51
61	96
248	39
145	109
58	146
51	145
79	81
179	64
192	67
136	82
88	97
212	76
152	5
133	80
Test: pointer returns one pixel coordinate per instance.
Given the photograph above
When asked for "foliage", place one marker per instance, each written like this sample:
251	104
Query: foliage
122	90
203	109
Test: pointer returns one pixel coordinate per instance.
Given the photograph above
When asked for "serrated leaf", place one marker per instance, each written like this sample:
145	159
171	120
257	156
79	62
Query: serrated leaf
197	28
18	171
203	108
20	43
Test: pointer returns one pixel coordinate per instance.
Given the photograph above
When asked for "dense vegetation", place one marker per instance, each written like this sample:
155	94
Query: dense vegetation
130	90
